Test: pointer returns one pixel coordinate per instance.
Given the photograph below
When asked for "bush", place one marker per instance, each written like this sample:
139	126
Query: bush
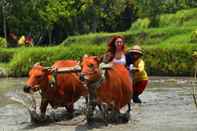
3	42
25	58
160	60
182	17
141	24
194	36
96	38
6	55
169	60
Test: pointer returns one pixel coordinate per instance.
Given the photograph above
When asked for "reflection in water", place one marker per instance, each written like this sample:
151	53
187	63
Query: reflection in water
167	105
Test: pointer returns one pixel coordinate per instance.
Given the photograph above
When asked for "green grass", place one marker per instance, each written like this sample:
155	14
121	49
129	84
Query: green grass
180	18
24	58
161	59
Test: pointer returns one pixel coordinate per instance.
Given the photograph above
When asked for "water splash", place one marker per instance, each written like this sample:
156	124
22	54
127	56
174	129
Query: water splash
26	100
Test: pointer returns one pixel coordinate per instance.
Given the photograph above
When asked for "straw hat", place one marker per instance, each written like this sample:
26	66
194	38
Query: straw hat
136	49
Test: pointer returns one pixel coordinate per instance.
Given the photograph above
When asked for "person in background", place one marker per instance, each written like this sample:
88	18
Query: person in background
21	41
28	41
116	51
136	66
12	39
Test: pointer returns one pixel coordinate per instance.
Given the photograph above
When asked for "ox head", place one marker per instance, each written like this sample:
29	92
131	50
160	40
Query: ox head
90	70
38	78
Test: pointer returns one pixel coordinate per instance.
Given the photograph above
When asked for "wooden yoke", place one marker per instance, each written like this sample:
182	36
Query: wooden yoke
73	69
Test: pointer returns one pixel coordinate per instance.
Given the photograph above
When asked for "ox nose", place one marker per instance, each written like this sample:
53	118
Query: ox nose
82	77
26	89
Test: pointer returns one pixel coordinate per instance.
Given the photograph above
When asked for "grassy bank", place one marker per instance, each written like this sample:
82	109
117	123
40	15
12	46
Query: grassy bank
22	59
160	60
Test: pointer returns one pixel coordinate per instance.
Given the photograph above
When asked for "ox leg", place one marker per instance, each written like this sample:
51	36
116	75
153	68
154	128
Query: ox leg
70	110
86	100
126	116
115	116
43	107
90	110
91	104
104	110
129	107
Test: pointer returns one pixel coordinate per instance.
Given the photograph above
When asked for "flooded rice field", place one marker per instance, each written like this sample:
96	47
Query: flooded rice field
167	105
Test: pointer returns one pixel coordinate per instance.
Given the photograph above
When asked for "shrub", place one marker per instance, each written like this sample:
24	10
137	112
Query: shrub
169	60
6	55
194	36
182	17
141	24
3	42
160	60
24	58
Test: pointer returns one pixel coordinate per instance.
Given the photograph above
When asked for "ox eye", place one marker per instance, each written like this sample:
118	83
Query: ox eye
38	77
91	65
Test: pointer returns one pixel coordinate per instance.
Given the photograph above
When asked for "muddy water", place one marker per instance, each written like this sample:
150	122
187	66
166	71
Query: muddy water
167	105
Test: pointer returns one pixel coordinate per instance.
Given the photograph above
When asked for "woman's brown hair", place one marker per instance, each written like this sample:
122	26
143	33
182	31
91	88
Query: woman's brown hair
111	44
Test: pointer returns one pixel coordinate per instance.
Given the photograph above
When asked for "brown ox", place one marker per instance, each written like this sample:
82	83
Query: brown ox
114	87
65	92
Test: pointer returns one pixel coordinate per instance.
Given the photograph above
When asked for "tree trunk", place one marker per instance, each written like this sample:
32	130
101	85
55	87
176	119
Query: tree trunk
4	23
94	19
50	34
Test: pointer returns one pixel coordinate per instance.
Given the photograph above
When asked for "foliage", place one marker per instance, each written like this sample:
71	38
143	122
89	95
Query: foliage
159	59
194	56
181	18
6	55
149	8
168	48
153	8
3	43
49	21
25	58
194	36
169	60
141	24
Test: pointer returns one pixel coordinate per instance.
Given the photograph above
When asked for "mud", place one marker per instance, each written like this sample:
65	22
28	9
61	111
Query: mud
167	105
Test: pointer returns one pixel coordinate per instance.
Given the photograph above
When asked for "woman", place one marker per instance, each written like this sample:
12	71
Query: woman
140	77
116	51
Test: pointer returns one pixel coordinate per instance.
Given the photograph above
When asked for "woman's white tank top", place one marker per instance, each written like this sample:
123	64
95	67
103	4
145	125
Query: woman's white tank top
122	60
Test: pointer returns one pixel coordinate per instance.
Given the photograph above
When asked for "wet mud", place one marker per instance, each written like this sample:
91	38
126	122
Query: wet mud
167	104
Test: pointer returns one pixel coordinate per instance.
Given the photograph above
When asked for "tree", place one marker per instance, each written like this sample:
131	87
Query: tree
149	8
54	11
5	10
